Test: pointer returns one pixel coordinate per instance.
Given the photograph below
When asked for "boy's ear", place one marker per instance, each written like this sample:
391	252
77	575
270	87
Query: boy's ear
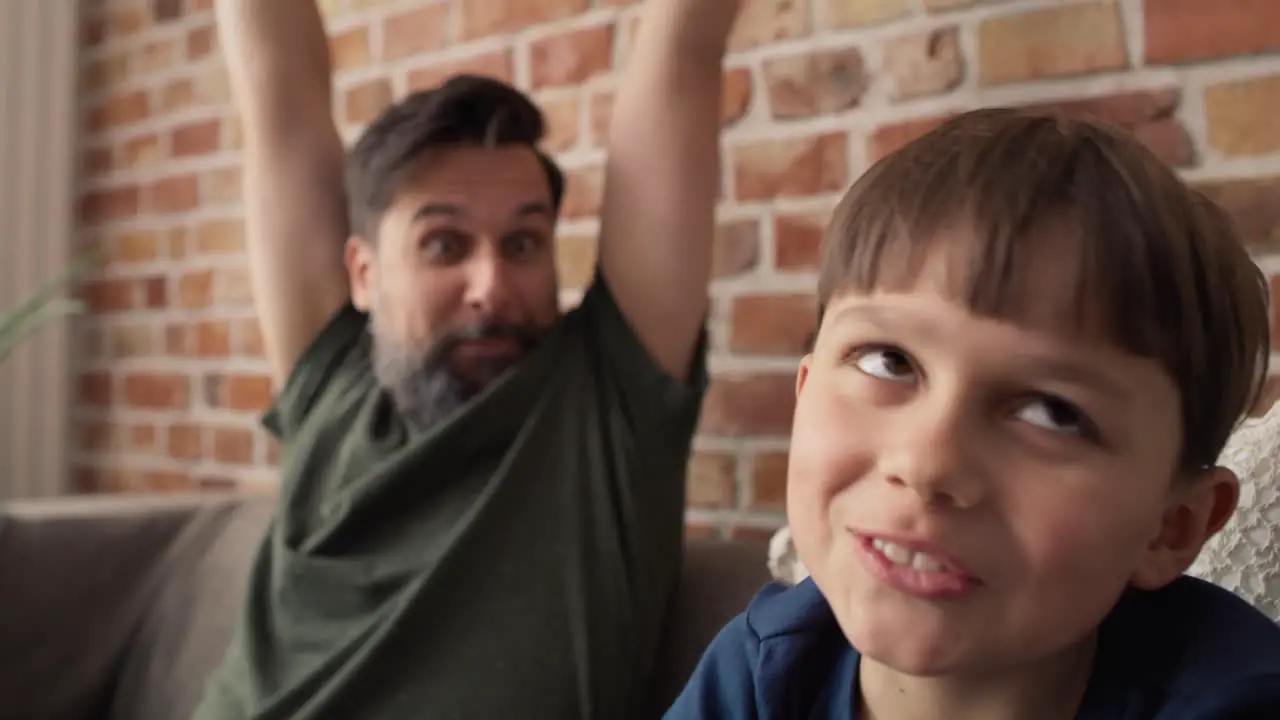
802	373
1197	510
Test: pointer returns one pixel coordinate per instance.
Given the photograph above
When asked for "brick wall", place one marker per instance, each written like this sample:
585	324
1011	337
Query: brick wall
171	378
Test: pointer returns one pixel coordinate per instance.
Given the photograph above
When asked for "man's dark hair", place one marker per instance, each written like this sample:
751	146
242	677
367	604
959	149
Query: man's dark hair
467	110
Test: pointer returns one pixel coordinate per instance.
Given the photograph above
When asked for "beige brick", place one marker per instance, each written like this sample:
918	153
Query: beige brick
1242	116
1070	39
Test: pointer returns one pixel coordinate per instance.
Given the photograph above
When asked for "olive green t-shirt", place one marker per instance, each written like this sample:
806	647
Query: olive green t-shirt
513	561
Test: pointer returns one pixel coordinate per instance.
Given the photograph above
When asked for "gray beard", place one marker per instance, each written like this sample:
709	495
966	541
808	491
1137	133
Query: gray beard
422	387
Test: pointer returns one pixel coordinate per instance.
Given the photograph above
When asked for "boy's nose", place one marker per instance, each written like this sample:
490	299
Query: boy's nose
928	454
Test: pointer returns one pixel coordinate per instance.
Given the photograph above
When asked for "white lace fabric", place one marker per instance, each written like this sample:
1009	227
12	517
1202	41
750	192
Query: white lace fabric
1245	557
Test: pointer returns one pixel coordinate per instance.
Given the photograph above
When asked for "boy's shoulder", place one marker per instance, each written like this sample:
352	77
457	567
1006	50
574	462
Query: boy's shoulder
1195	647
776	659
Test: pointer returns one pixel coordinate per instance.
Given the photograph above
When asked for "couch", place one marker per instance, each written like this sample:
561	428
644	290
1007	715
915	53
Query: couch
117	608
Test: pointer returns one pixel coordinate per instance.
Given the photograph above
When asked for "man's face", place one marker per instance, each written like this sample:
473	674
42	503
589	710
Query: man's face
461	281
970	494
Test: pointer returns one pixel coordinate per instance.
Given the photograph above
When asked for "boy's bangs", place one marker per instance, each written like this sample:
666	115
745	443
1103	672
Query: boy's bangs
1035	227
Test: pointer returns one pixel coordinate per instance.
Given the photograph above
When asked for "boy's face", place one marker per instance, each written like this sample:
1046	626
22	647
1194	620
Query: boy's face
972	494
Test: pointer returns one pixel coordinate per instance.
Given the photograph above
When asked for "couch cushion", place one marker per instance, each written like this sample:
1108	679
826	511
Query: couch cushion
76	576
192	617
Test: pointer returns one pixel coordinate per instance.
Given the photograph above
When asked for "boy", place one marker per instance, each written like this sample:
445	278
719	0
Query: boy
1034	341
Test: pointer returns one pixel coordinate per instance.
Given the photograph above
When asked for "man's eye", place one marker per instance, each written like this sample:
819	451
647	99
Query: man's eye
444	243
885	363
520	244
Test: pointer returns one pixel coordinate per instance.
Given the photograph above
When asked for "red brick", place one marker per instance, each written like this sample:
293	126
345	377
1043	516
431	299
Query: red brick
124	109
412	32
736	248
110	295
1055	41
174	194
923	63
94	388
814	83
349	49
772	324
212	338
135	246
156	390
766	21
196	138
563	112
584	189
571	57
96	161
166	10
200	42
233	446
711	481
1255	206
769	481
788	168
110	204
702	531
363	102
747	405
481	18
195	289
184	441
493	64
1190	30
797	240
246	392
155	292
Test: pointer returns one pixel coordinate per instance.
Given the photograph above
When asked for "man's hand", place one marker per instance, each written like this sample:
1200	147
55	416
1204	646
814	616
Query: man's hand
278	64
663	175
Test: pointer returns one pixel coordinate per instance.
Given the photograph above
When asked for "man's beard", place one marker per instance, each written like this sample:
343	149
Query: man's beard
421	380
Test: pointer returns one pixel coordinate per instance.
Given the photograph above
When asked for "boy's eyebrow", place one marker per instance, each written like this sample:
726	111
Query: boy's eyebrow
1066	372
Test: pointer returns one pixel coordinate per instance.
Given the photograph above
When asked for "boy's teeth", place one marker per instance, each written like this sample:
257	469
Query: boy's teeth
899	555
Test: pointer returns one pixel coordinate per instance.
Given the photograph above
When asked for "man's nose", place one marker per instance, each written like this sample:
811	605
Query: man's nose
929	451
488	286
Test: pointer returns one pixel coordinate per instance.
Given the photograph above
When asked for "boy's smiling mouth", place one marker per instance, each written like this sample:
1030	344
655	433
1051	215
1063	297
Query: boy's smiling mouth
912	567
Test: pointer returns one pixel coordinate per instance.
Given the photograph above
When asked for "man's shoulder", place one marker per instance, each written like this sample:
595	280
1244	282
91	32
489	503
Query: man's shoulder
1207	650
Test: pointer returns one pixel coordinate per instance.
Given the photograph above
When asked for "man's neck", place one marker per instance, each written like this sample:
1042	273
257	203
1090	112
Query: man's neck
1048	689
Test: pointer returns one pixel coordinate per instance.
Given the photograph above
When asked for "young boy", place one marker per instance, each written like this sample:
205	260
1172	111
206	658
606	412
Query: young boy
1034	342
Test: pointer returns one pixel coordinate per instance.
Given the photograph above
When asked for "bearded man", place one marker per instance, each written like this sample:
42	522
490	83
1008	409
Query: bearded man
482	498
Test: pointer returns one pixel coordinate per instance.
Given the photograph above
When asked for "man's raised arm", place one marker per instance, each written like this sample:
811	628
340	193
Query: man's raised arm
278	63
663	175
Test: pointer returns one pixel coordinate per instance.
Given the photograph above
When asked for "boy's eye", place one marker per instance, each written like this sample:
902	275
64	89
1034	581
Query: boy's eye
885	363
1055	415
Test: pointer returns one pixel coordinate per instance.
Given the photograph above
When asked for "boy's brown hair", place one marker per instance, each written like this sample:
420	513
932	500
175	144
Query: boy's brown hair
1159	269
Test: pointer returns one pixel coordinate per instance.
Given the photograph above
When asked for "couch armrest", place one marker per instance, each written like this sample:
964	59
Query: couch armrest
75	577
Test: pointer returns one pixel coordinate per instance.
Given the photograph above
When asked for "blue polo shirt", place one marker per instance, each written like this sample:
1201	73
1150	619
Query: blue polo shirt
1189	651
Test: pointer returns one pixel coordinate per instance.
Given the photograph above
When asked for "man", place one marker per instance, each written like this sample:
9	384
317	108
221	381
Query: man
482	500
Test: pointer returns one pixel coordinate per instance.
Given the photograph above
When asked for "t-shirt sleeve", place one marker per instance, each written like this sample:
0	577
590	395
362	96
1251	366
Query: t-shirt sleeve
647	392
722	685
340	347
